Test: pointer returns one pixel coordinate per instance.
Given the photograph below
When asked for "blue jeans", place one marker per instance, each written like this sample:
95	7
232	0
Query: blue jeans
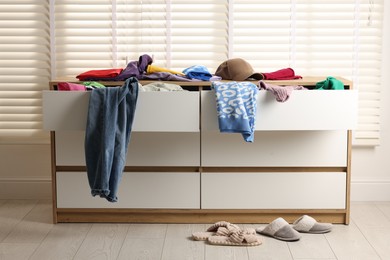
110	118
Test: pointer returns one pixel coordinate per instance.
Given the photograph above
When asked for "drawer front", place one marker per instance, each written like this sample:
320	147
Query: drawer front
304	110
136	190
164	149
167	112
155	111
276	149
287	190
65	110
145	149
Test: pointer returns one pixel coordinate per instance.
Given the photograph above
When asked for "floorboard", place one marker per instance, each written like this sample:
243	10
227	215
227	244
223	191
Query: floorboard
347	242
178	244
17	251
103	241
143	242
11	213
34	227
62	242
26	232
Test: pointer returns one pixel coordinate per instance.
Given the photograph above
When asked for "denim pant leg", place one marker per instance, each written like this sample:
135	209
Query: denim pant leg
127	98
110	118
99	146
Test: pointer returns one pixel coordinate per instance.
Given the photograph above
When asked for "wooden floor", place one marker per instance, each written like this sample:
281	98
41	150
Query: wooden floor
26	232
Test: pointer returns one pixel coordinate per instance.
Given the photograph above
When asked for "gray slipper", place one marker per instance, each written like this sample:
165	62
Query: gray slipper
307	224
280	229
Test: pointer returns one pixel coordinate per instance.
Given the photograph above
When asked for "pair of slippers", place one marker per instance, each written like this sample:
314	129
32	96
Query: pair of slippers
282	230
225	233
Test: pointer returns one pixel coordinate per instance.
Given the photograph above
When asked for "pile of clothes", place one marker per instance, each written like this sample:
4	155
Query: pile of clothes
143	69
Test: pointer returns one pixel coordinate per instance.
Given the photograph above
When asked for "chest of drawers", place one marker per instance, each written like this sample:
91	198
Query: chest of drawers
181	169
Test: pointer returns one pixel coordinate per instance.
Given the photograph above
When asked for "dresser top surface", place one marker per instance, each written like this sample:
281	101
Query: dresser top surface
305	81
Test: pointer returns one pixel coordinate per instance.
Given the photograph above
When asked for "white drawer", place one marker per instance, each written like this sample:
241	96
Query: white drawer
305	110
155	111
136	190
64	110
276	148
287	190
164	149
167	112
145	149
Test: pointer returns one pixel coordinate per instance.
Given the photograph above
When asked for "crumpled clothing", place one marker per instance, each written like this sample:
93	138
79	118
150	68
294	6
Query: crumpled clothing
68	86
281	93
160	86
283	74
236	107
92	85
109	123
164	76
99	74
215	78
153	69
138	69
330	83
198	72
133	69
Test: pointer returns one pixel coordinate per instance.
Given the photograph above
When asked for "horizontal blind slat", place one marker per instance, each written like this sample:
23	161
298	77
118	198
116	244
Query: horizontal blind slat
318	38
24	69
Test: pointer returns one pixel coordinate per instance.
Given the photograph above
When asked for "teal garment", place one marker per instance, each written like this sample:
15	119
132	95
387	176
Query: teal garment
93	84
330	83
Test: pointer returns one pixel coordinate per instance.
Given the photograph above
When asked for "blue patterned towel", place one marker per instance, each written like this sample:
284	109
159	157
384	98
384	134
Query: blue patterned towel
236	107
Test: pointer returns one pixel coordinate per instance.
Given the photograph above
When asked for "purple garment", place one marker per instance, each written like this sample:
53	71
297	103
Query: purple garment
164	76
133	69
136	68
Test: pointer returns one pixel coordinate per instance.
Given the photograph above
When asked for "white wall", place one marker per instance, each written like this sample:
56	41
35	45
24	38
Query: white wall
25	172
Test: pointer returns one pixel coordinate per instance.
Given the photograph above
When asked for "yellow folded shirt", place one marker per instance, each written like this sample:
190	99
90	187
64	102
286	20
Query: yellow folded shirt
153	69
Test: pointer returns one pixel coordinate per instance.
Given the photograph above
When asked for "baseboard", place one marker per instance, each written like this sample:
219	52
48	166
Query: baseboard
370	190
26	188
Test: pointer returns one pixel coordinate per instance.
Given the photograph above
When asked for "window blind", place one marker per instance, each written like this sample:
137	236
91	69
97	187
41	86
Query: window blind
317	38
343	38
262	34
24	69
367	70
83	36
198	33
103	34
320	38
129	31
177	33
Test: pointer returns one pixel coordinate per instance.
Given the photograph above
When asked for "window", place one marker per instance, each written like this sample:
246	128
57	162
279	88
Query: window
107	34
83	36
319	38
25	69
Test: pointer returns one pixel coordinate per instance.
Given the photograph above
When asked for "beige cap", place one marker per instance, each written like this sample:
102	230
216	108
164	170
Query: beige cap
237	69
